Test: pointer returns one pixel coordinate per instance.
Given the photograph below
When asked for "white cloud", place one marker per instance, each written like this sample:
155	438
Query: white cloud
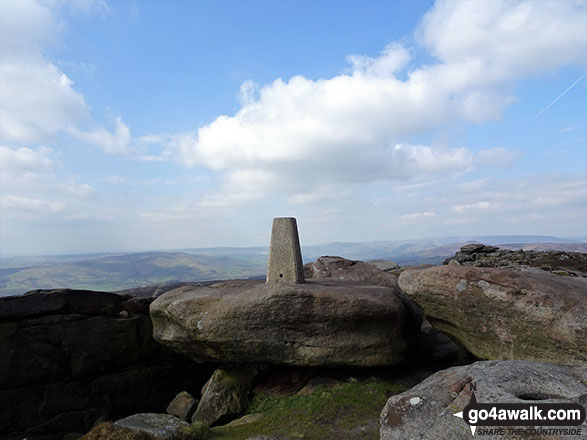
15	160
116	142
347	129
416	217
32	182
506	39
37	100
484	205
17	203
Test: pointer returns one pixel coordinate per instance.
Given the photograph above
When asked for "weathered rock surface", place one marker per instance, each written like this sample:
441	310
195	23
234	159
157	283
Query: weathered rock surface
183	406
311	324
558	262
430	345
351	271
224	395
164	426
69	357
505	314
384	265
426	410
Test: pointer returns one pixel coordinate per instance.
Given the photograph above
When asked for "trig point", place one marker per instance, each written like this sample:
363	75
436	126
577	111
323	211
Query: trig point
285	257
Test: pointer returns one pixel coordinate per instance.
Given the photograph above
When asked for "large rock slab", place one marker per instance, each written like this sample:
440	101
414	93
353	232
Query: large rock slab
311	324
164	426
505	314
426	410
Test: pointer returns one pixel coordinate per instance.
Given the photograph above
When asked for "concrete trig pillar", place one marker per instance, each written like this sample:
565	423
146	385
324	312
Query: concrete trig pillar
285	257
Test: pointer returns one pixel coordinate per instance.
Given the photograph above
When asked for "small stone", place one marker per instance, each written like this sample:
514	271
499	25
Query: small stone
316	383
225	394
183	406
123	314
415	401
245	420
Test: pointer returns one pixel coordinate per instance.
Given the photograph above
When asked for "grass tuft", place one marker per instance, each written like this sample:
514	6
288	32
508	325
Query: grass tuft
346	411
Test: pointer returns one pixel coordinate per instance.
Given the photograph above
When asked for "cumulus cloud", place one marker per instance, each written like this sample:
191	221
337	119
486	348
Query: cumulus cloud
15	160
505	39
112	142
306	134
37	98
32	181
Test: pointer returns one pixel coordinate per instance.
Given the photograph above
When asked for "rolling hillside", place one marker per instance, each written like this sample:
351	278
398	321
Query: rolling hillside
130	270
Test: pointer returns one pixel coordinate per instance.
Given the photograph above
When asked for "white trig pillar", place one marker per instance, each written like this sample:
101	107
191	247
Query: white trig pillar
285	256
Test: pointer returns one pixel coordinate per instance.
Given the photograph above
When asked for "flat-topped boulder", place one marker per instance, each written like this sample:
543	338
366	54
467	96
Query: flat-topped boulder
327	323
505	314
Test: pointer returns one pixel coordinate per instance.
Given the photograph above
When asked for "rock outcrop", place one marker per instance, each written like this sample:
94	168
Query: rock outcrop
350	271
426	410
505	314
312	324
384	265
558	262
69	357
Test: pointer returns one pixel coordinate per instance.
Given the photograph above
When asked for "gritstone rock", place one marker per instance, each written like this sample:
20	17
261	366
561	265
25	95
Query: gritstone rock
426	410
313	324
183	406
505	314
224	395
165	426
286	321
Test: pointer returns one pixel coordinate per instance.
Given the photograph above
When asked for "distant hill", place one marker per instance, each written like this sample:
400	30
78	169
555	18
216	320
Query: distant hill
117	271
121	271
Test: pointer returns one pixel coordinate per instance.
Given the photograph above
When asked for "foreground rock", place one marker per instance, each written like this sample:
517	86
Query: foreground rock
311	324
225	395
69	357
426	410
558	262
504	314
164	426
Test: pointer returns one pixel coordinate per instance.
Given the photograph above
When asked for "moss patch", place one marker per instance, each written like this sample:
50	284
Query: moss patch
348	410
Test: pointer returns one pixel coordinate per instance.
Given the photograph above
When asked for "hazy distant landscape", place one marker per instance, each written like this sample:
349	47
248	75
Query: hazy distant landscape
117	271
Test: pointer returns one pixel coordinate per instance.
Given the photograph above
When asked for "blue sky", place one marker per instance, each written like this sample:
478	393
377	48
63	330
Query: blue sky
133	125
